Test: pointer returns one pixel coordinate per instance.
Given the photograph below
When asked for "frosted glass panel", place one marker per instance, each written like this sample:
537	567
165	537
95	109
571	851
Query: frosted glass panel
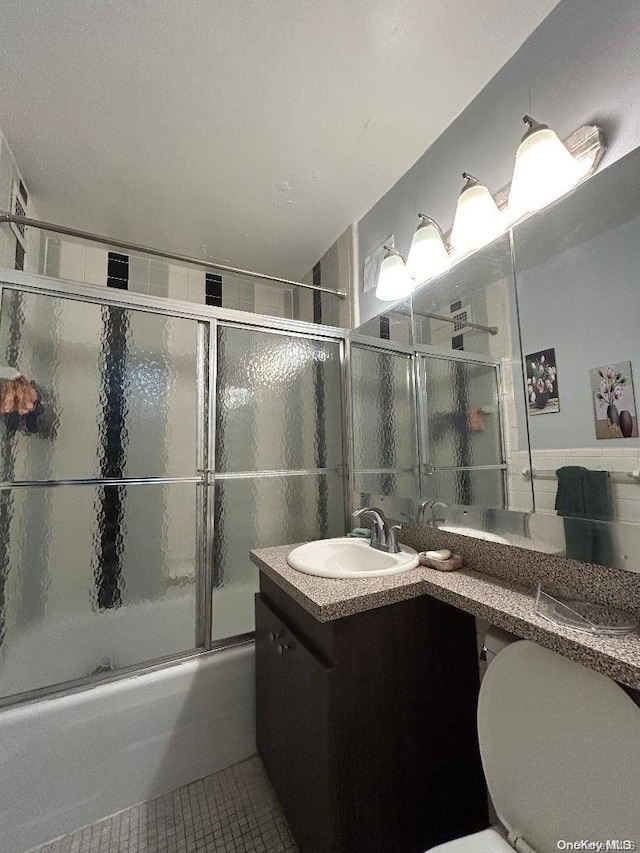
258	512
383	407
115	391
470	488
462	413
278	402
94	579
402	484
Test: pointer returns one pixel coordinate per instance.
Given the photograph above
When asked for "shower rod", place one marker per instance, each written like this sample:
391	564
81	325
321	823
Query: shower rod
493	330
5	216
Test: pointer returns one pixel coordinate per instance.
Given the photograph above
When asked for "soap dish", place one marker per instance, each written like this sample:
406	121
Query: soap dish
454	562
596	619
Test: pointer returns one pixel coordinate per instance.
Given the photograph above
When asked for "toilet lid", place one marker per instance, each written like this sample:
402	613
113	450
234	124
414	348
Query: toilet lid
560	748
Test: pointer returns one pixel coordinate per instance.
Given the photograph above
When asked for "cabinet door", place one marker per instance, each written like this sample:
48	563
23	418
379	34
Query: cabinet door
294	700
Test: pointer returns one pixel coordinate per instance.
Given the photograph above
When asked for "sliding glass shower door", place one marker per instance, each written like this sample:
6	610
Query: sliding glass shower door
100	500
278	474
461	437
142	455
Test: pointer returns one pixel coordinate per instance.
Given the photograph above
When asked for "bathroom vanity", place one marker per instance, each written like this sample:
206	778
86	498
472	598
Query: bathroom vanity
367	690
366	722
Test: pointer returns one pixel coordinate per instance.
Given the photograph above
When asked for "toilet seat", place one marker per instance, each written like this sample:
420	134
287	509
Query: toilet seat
571	739
560	747
487	841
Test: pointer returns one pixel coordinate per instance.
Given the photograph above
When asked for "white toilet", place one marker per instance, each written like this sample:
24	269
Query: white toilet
560	748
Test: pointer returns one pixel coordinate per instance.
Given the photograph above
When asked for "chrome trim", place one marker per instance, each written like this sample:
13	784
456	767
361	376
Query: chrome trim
313	334
614	476
432	469
250	475
366	342
202	349
347	433
493	330
101	295
455	355
5	216
501	430
87	481
210	520
409	470
67	688
422	426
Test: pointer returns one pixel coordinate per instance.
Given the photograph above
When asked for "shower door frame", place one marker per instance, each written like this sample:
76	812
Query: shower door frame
208	318
426	468
414	352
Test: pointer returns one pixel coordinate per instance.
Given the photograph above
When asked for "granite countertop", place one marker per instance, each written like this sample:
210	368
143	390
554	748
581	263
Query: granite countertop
504	603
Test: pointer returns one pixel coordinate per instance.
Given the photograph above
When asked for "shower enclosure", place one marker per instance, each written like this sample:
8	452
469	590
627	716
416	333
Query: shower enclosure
166	441
426	427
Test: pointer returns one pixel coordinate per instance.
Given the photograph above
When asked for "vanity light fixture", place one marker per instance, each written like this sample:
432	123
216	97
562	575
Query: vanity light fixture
544	170
394	281
477	220
428	256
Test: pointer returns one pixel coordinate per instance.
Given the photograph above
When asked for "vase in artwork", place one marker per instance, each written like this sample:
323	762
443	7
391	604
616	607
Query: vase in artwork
626	423
612	415
542	398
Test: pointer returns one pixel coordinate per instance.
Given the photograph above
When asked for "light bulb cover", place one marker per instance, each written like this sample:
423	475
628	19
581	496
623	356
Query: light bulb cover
428	256
394	281
544	170
478	220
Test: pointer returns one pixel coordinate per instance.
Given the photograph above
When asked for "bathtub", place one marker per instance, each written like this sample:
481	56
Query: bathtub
68	761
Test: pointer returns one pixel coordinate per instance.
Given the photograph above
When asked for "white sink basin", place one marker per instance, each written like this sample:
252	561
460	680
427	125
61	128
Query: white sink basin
349	558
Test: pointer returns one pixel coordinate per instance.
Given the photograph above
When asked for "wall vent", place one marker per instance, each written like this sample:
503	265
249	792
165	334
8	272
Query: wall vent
461	320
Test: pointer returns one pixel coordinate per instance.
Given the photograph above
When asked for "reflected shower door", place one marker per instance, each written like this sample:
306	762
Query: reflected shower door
278	457
461	436
385	449
100	498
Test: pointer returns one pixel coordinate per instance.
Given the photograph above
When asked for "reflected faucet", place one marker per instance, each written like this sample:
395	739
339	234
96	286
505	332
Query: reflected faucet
432	505
383	537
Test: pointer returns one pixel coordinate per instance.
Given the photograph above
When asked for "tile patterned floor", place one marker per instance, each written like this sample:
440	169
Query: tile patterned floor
234	811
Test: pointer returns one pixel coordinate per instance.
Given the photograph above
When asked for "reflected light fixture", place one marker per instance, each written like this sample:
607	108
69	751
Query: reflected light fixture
428	256
544	170
477	220
394	281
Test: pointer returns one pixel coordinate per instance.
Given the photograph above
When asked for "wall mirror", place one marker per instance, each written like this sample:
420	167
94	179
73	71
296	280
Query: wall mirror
526	429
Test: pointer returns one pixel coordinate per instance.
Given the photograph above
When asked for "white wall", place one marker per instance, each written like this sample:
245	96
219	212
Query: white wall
580	66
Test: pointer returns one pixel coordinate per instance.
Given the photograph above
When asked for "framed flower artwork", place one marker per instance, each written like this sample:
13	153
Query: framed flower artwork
614	403
542	383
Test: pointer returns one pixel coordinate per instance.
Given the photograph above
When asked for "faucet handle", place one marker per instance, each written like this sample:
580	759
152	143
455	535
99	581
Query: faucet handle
379	524
370	512
393	546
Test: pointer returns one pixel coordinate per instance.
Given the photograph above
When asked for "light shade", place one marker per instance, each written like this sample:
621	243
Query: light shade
544	170
394	281
428	256
477	220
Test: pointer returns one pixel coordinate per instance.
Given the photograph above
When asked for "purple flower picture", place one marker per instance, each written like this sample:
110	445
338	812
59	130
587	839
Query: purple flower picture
614	402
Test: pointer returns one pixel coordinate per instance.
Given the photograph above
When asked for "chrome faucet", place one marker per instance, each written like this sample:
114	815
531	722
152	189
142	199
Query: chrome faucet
383	537
424	505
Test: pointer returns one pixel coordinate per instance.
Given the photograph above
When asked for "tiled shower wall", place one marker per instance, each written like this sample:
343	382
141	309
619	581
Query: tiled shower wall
79	260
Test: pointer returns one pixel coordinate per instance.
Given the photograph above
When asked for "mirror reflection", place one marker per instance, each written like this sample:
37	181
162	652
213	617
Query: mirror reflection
525	357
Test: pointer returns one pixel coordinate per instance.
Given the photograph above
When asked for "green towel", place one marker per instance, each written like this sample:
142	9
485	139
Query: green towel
584	496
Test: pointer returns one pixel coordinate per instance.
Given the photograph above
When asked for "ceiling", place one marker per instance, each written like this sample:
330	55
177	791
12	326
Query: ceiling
253	132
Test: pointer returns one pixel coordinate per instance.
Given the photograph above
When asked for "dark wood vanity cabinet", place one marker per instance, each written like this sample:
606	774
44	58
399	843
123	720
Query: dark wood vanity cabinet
367	724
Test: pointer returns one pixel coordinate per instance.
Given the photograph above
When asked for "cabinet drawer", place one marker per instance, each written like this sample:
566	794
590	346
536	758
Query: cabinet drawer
294	722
